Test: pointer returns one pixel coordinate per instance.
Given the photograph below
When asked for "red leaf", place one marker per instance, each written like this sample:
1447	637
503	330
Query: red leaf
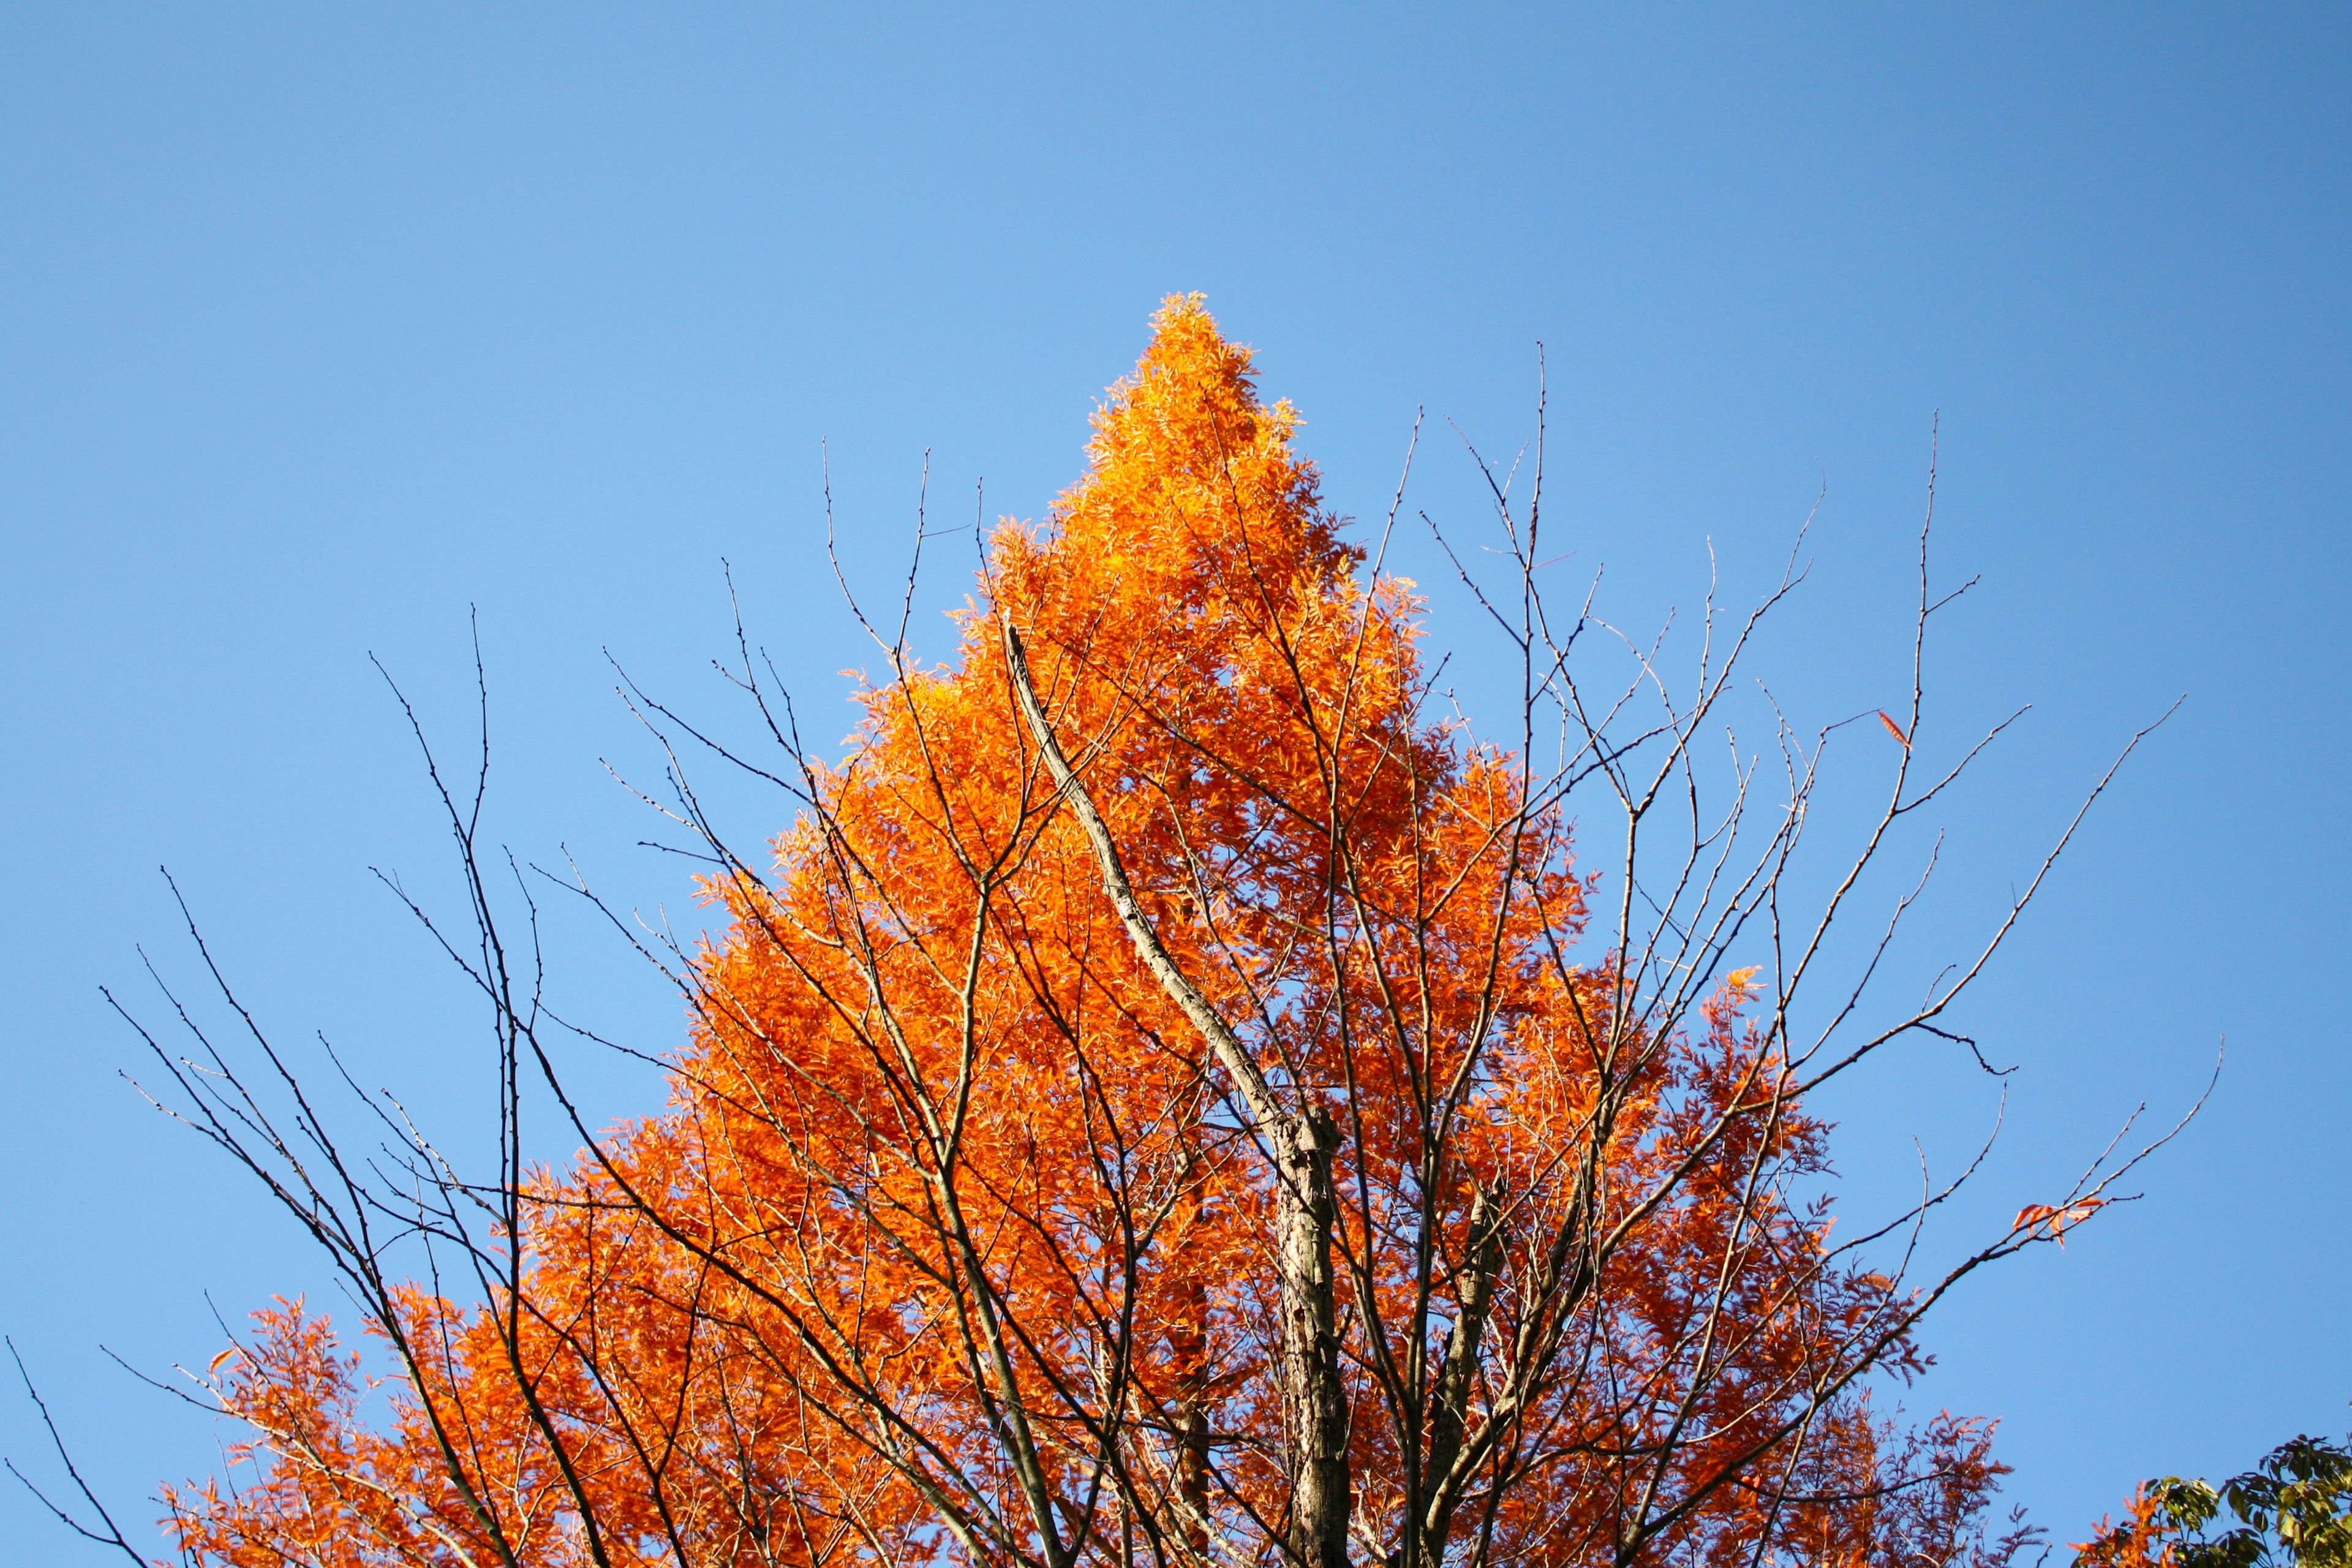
2037	1216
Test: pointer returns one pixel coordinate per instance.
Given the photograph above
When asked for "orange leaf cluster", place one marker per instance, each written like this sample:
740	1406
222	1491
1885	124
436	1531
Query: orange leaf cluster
2056	1220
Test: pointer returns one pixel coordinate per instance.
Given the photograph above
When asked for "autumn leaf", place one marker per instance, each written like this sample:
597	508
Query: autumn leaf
1893	729
2056	1219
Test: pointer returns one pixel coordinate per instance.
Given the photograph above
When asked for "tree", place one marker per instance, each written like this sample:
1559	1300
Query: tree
2294	1507
1165	1100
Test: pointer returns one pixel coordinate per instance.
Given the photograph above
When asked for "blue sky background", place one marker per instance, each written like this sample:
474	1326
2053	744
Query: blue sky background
319	324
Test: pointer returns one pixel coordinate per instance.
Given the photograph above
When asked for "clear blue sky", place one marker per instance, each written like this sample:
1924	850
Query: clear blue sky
319	324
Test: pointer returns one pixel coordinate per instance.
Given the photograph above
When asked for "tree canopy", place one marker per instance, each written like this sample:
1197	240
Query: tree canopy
1164	1098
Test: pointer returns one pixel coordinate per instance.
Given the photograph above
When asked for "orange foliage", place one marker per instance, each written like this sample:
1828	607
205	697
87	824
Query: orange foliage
944	1164
2056	1221
2146	1540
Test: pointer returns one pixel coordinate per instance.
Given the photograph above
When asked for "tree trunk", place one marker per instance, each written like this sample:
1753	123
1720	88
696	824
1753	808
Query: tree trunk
1313	1398
1457	1376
